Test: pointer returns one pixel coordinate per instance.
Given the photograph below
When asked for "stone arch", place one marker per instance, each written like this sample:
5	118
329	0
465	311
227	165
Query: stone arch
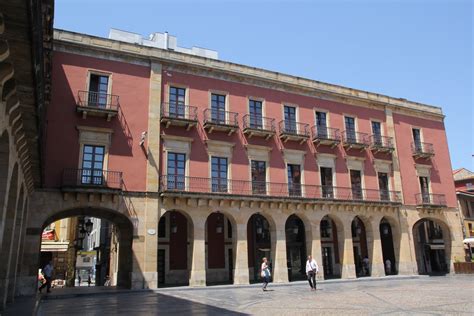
125	236
393	235
432	243
261	241
296	250
362	242
332	245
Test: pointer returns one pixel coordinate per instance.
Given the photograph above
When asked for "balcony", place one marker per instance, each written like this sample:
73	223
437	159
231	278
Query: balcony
326	136
179	115
293	131
182	186
430	200
221	121
422	150
90	180
97	104
380	143
354	140
258	126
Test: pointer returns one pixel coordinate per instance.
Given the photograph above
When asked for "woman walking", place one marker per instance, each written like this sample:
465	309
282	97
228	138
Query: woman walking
265	273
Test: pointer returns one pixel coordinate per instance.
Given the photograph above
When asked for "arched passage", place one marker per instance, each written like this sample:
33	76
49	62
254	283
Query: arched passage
359	243
175	233
388	247
123	229
219	249
295	248
259	244
432	246
331	247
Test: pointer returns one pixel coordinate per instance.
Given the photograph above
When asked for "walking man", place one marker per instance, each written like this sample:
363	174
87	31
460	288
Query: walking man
311	270
48	275
265	273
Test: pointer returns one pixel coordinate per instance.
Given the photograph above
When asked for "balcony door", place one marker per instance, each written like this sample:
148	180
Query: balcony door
290	119
218	109
259	177
356	184
321	125
350	129
294	180
92	172
177	101
383	186
255	111
377	132
425	190
417	139
98	89
219	174
176	171
326	182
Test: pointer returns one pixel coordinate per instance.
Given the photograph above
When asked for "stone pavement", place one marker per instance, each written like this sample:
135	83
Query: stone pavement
452	295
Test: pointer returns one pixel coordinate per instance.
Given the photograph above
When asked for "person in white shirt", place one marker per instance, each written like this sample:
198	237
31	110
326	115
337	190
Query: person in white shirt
265	273
311	270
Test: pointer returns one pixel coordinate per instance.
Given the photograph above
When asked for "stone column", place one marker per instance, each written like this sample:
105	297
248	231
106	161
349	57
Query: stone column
407	258
378	269
241	270
27	281
198	265
280	268
316	247
348	266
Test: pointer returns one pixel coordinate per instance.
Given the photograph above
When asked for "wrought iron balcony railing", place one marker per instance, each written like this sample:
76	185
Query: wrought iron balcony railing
258	123
182	184
355	139
430	199
98	100
92	178
423	150
179	111
324	134
381	143
294	128
218	117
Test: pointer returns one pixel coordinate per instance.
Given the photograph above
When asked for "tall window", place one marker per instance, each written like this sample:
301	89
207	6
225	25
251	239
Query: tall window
177	102
326	182
417	139
424	188
290	119
383	186
255	111
98	88
321	125
377	132
176	171
350	129
93	165
356	184
258	177
219	174
218	108
294	180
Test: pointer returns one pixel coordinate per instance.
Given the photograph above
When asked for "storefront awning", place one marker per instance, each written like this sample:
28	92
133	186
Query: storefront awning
57	246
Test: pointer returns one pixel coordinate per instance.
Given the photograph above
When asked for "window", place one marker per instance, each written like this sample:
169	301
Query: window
417	139
98	89
377	132
176	171
326	182
425	191
356	184
294	180
218	108
93	165
350	129
177	102
255	111
258	177
290	119
383	186
229	229
219	174
321	125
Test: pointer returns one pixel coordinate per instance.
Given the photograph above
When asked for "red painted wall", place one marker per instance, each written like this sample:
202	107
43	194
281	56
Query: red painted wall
131	84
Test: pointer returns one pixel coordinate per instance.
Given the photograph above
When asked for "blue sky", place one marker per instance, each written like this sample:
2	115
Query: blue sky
420	50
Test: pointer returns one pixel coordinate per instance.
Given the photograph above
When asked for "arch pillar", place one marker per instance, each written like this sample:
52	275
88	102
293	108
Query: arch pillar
197	276
241	270
280	269
377	269
407	257
314	248
348	266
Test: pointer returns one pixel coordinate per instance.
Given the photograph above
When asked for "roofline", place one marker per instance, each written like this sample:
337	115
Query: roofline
71	37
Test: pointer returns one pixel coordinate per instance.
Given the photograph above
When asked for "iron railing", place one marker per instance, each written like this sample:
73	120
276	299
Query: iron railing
220	117
352	137
179	111
180	184
419	148
293	128
430	199
325	133
258	122
98	100
379	141
92	178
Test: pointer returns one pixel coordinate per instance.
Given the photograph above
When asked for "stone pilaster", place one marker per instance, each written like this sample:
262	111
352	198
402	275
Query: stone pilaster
316	247
280	269
241	271
378	269
198	265
407	257
348	266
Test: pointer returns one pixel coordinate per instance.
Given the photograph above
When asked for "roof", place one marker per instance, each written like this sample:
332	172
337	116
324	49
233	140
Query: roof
462	174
